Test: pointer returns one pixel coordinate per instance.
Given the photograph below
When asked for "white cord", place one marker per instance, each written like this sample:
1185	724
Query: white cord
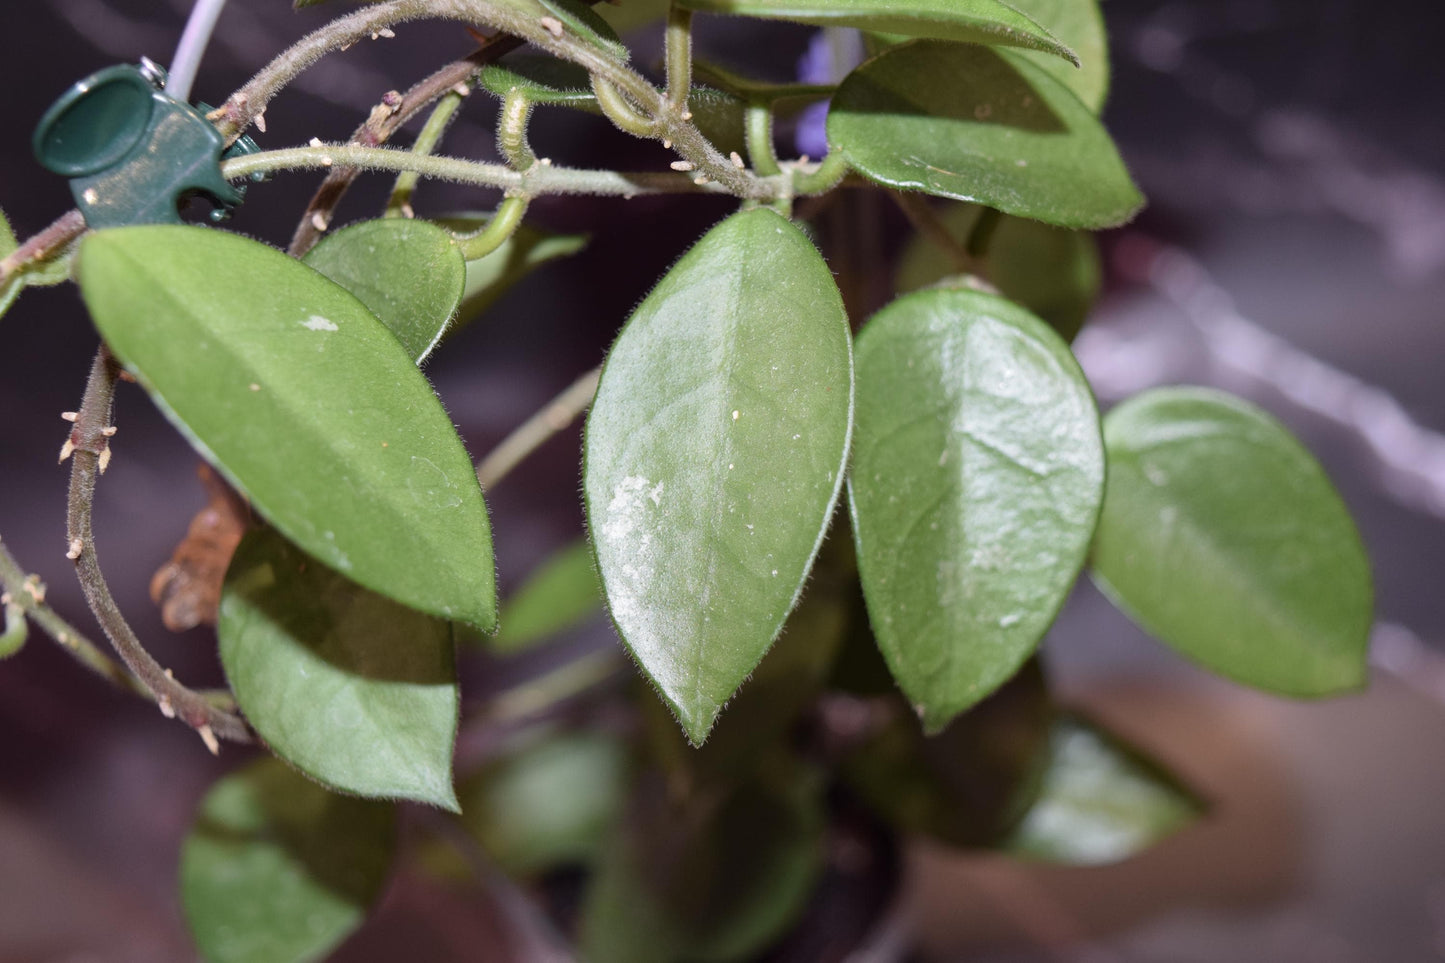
194	40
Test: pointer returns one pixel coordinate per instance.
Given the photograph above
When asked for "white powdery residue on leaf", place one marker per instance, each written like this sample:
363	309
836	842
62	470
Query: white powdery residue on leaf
317	323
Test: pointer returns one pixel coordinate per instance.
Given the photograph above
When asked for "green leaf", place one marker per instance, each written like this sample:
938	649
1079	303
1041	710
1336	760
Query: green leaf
978	124
969	21
551	802
977	476
1223	538
10	291
714	455
1101	801
353	689
562	592
411	275
490	277
969	784
708	877
545	80
779	691
1080	24
303	400
278	870
1054	272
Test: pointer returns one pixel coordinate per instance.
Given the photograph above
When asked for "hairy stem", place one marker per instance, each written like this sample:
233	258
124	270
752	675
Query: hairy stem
399	204
541	179
671	123
88	448
386	118
512	130
827	175
620	110
760	140
678	50
503	225
536	430
43	246
27	593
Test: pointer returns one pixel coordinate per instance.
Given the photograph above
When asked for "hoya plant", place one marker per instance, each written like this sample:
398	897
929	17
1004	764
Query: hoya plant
829	528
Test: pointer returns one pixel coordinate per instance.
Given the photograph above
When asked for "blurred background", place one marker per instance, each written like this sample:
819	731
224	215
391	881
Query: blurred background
1293	252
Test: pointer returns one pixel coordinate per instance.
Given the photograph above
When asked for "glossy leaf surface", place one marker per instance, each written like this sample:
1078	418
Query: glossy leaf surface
551	802
969	21
305	402
1222	537
977	476
1080	25
278	870
1100	801
411	274
1054	272
980	124
356	691
714	454
561	593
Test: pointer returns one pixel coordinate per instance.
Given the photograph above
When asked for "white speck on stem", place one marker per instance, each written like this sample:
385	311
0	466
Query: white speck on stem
736	415
552	25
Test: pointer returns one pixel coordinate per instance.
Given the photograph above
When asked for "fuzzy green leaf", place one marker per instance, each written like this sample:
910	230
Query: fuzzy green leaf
1101	801
353	689
305	402
1080	24
714	455
1222	536
979	124
562	592
977	476
1054	272
411	275
969	21
278	870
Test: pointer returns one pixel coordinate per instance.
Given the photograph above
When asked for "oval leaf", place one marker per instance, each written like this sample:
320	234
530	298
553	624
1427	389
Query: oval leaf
969	21
1223	538
979	124
278	870
977	476
1101	801
305	402
561	593
1080	24
715	451
353	689
1054	272
411	275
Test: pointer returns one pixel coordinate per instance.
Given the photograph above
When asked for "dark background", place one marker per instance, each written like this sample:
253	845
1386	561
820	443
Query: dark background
1292	151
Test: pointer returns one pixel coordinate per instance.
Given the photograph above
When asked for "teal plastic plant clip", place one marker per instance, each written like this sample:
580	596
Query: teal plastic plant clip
132	152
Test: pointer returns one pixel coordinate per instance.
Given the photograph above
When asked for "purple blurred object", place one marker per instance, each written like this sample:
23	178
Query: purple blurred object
831	54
